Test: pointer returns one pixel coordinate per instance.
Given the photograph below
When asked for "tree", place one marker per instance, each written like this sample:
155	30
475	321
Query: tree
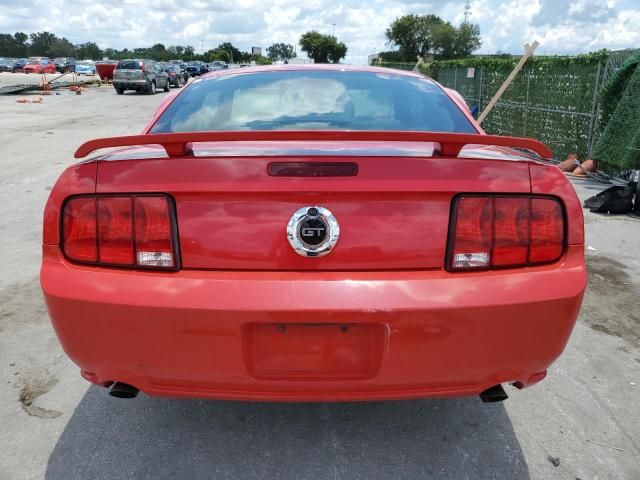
234	54
281	52
260	60
61	47
218	54
322	48
41	43
176	51
13	45
443	40
189	53
21	44
159	52
338	52
422	35
413	35
467	40
91	51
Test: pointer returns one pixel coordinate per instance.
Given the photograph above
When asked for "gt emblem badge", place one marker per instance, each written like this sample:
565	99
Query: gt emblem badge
313	231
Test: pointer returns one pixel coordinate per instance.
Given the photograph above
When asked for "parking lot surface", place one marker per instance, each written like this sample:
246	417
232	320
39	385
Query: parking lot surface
580	422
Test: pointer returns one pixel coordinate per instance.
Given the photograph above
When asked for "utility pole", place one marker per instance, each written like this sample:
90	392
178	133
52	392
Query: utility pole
467	12
334	29
202	46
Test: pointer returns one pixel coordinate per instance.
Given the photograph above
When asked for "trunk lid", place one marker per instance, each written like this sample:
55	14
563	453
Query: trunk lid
394	214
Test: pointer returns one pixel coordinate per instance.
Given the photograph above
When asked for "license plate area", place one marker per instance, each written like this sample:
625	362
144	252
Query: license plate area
315	351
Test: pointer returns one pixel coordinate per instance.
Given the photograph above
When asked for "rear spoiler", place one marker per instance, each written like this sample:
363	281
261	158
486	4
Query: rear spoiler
178	144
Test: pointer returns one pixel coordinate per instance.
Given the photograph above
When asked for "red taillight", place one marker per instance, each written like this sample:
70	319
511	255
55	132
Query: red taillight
115	230
122	230
153	232
472	238
502	231
510	231
79	226
547	230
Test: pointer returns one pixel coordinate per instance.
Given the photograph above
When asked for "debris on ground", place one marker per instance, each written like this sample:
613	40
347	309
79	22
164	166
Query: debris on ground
26	100
585	168
604	445
34	387
554	460
570	164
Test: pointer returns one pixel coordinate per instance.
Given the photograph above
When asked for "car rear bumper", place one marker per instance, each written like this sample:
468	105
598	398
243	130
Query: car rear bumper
313	336
130	83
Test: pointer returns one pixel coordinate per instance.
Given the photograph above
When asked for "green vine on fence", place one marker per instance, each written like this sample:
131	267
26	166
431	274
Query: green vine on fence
618	148
559	100
506	63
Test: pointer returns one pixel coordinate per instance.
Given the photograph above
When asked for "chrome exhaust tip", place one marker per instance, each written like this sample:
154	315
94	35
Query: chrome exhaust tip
123	390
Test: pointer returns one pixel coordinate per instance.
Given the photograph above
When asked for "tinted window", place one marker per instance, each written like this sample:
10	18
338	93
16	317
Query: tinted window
295	100
129	65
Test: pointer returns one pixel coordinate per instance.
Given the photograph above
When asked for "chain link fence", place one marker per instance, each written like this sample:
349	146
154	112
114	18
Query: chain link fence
554	99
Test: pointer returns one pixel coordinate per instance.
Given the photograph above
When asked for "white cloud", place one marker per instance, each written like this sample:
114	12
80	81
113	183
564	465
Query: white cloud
561	26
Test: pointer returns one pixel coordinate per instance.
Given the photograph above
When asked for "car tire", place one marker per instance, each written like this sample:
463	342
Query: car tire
167	86
151	90
119	91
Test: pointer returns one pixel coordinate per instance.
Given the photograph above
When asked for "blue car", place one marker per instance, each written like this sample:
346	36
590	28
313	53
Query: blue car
86	67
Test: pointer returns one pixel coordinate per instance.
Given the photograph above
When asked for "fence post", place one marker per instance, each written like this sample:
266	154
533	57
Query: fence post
480	107
594	106
455	78
526	103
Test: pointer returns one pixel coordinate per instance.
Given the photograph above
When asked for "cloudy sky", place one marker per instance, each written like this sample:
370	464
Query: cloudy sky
561	26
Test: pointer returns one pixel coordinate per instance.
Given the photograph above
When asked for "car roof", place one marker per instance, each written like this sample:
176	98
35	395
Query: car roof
318	67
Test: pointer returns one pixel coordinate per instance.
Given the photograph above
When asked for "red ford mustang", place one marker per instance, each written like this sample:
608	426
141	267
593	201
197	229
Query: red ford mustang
313	233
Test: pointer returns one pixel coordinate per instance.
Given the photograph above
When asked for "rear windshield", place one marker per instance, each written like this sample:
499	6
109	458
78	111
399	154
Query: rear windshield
297	100
128	65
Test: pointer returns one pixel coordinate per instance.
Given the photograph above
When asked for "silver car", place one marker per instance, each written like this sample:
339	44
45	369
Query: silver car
140	75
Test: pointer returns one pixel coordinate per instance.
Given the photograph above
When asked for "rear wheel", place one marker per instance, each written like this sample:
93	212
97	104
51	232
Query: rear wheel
167	86
151	90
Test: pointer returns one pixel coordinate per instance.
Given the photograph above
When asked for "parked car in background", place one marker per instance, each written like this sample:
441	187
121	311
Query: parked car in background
6	65
196	68
18	65
177	76
86	67
315	233
65	64
218	65
140	75
40	65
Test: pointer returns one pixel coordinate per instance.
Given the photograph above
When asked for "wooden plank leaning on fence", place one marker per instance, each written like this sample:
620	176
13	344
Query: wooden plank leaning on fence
416	67
528	51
